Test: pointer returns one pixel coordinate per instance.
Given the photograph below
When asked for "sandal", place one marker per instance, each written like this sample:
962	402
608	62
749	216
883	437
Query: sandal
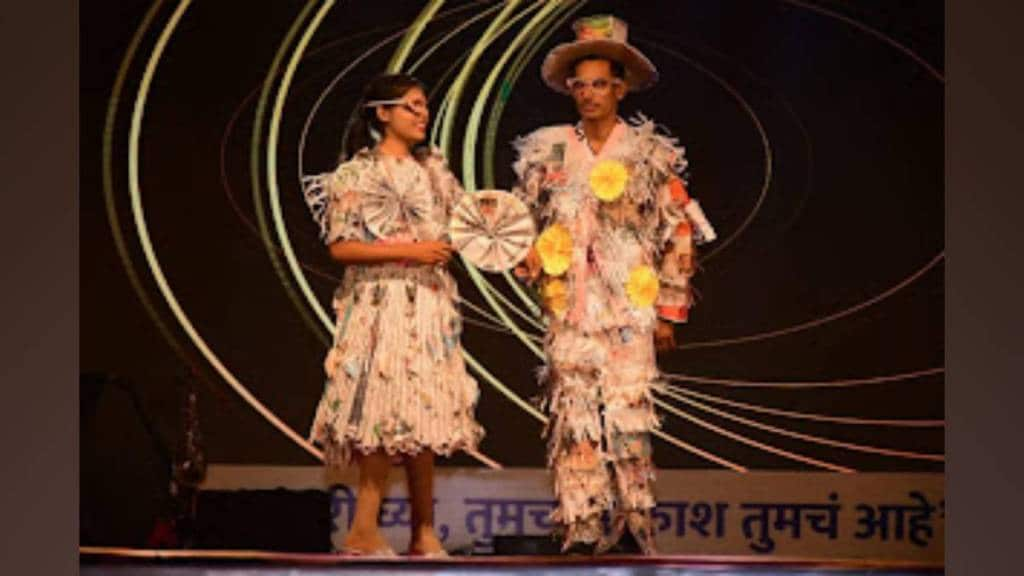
383	552
442	553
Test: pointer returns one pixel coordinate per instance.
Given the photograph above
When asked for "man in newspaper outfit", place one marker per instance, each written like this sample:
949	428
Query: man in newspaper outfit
612	262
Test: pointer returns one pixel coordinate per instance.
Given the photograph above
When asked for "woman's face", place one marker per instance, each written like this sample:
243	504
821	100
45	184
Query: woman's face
407	121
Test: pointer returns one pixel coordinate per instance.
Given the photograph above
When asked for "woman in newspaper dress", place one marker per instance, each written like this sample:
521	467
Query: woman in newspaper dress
397	386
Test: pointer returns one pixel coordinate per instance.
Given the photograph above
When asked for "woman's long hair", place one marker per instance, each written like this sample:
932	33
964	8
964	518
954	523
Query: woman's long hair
364	119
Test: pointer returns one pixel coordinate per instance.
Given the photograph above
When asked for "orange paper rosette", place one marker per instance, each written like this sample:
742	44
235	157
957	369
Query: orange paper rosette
608	180
642	286
556	296
554	246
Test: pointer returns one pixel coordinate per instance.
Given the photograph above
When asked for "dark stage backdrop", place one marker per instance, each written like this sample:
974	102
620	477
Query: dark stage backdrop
815	138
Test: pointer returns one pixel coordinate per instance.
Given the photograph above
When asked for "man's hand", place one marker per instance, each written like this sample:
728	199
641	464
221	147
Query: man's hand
664	336
529	268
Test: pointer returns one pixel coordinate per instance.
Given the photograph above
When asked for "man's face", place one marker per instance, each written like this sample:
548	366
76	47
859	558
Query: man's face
596	90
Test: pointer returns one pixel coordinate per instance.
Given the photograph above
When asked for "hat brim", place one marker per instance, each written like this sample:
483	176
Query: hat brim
640	72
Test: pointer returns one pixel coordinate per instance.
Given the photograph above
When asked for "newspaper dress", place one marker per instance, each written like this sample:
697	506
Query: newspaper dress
396	379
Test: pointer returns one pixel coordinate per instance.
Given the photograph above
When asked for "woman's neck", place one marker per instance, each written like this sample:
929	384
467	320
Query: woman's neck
391	146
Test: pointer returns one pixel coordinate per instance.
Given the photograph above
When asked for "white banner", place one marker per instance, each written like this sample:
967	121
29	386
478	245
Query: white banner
876	516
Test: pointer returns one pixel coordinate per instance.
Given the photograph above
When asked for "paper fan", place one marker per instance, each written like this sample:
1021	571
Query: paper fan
492	229
386	209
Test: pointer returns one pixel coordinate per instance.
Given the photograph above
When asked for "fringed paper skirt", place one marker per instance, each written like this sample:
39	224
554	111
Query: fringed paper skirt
396	379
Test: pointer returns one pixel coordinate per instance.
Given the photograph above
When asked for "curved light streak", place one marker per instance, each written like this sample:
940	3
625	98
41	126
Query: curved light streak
477	110
344	72
449	35
273	135
108	182
794	385
850	420
751	442
812	438
871	31
254	172
473	127
147	246
699	452
398	58
494	118
768	156
819	321
249	223
450	107
504	300
457	85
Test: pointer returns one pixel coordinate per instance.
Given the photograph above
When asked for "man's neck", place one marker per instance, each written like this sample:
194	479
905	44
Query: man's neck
598	130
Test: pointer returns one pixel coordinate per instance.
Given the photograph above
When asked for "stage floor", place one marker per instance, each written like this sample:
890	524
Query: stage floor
123	561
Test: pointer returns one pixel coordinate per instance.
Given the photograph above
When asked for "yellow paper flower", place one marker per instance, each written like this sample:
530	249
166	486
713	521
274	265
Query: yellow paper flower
556	296
642	287
608	180
554	246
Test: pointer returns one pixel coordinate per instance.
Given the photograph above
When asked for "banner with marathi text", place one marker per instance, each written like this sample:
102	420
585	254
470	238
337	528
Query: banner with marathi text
879	516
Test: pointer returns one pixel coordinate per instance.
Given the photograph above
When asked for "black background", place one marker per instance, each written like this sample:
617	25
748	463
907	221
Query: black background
854	207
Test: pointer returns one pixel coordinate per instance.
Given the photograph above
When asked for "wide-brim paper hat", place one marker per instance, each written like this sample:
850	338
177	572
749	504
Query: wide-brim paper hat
603	36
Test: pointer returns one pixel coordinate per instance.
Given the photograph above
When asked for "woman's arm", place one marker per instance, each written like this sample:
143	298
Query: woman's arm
354	252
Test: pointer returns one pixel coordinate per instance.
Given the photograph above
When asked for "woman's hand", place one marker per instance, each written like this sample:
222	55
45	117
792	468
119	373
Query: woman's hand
430	252
664	336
